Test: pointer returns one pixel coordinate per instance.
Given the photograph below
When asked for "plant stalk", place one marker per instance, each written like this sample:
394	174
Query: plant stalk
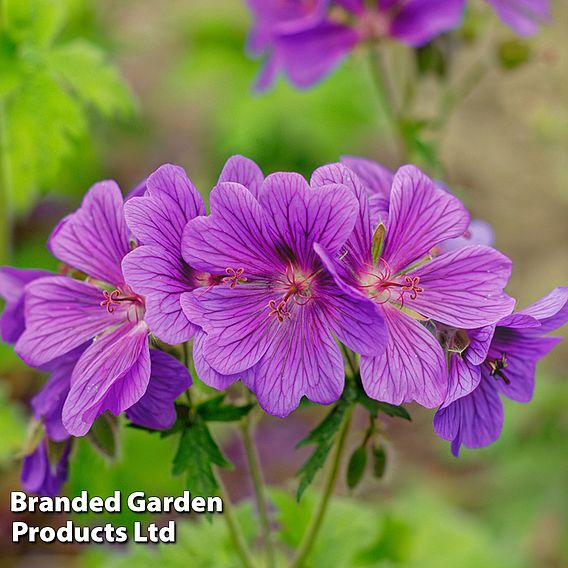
259	490
316	522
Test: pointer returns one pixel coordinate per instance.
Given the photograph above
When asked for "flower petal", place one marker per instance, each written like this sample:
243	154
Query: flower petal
162	278
359	243
239	169
160	217
303	360
419	21
421	216
480	342
464	288
94	239
12	284
168	379
551	311
233	236
412	368
299	216
112	374
464	378
522	16
307	56
478	233
39	476
62	314
475	420
237	322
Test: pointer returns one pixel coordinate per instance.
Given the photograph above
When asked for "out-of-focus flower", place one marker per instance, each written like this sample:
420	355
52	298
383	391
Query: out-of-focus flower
62	313
307	39
493	361
277	308
393	270
522	16
39	475
12	284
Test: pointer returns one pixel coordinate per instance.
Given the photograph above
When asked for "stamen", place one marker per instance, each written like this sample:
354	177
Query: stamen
111	300
279	310
234	277
412	286
497	366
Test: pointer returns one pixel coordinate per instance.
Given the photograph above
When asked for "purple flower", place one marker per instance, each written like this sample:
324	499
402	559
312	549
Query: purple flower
307	39
393	270
496	360
40	475
273	316
103	311
12	284
522	16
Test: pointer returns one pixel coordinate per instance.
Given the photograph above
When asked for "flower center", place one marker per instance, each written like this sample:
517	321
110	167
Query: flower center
497	366
381	286
124	297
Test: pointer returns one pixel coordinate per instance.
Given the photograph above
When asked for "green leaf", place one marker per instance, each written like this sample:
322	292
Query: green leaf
104	435
82	66
513	53
196	454
356	467
213	410
375	406
323	436
37	22
379	461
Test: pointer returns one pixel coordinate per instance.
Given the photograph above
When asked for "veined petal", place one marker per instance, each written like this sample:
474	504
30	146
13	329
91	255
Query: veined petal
464	378
168	379
237	322
162	278
94	239
478	233
551	311
356	320
480	342
412	368
12	284
421	215
239	169
299	216
205	371
233	236
464	288
160	217
62	314
40	476
376	178
303	360
475	420
359	243
522	352
419	21
112	374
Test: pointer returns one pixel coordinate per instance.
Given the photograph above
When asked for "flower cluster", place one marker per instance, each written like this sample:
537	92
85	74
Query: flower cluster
270	287
306	39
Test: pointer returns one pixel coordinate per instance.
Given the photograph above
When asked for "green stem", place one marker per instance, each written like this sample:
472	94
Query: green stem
6	188
386	100
259	490
316	522
234	529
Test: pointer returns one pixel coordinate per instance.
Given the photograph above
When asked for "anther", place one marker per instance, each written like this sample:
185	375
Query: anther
497	367
111	300
234	276
279	310
411	285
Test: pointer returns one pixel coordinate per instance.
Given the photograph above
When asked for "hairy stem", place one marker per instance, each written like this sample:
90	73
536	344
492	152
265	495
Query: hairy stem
234	529
259	490
329	484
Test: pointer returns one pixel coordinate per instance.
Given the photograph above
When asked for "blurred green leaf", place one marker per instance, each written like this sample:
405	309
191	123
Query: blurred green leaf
379	461
104	435
356	467
213	410
513	53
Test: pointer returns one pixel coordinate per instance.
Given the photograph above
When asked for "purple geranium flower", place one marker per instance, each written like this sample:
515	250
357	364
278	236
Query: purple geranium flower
496	360
522	16
277	307
393	270
39	475
103	311
307	39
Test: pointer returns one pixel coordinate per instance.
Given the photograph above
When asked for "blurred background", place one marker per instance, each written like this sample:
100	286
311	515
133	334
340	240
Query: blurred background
95	90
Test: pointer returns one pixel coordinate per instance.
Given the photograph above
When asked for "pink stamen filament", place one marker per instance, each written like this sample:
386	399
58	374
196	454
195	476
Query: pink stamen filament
114	299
